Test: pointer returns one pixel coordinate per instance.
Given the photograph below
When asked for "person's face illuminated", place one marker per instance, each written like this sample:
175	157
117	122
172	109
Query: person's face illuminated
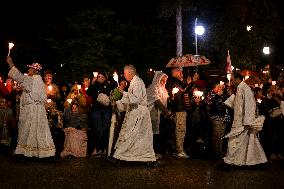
127	74
101	78
3	103
48	78
75	108
163	80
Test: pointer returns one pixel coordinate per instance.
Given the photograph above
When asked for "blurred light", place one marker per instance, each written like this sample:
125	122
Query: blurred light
266	50
232	67
151	69
199	30
249	27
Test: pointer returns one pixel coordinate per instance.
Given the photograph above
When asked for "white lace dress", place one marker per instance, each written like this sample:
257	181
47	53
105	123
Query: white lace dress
244	147
34	137
135	141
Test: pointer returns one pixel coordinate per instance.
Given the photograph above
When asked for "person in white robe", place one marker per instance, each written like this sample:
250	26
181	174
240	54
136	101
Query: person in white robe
34	137
244	147
135	141
157	97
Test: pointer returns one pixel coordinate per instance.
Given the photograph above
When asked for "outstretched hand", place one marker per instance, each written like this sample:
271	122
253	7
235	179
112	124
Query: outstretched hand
9	61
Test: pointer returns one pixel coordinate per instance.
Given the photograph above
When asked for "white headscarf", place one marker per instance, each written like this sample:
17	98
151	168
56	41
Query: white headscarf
157	91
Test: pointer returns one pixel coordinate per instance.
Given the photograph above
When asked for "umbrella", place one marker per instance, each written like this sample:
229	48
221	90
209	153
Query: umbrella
188	60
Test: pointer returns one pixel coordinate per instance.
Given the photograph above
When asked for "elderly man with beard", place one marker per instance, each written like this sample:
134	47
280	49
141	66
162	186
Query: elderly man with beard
135	141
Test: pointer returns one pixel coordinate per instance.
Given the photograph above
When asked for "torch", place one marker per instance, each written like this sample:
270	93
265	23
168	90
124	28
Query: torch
11	45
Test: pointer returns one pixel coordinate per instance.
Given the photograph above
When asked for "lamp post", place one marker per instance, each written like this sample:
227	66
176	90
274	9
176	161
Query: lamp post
266	50
199	30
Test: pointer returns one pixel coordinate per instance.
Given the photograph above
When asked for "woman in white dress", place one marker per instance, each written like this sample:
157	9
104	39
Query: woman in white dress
34	138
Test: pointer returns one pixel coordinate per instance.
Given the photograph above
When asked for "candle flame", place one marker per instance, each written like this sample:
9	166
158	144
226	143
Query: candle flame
49	87
115	77
69	100
175	90
11	45
198	93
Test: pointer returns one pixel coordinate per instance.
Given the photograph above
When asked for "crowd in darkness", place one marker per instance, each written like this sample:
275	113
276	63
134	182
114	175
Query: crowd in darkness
190	116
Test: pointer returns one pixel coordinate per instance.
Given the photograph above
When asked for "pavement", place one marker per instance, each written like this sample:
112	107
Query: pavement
98	172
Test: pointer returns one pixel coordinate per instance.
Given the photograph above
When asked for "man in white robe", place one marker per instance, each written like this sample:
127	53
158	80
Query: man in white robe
244	147
34	137
135	141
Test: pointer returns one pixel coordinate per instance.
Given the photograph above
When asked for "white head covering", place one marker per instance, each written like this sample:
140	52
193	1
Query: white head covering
157	91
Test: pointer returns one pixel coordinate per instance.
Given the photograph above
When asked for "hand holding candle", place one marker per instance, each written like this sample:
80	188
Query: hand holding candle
175	90
49	87
11	45
198	94
115	77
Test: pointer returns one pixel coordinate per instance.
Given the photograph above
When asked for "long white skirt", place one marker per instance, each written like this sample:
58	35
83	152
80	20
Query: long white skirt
135	141
34	138
245	149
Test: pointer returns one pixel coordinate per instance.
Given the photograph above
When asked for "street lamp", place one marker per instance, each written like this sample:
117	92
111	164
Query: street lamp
266	50
199	30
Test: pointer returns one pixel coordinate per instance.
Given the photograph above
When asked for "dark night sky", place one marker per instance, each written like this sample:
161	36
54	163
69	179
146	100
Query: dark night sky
20	21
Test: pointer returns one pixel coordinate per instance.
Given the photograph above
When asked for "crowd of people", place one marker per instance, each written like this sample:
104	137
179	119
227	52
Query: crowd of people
240	121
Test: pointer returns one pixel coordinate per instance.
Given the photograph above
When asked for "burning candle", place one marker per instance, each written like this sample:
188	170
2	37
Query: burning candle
229	78
246	77
86	88
78	87
95	74
175	90
198	93
222	83
259	100
115	77
273	83
5	84
49	87
49	100
69	100
11	45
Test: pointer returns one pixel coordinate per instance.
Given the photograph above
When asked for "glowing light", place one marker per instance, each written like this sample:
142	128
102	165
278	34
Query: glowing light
229	77
259	100
246	77
11	45
95	74
249	27
199	30
49	87
266	50
78	87
150	69
222	83
232	67
273	83
69	100
198	93
175	90
115	77
48	100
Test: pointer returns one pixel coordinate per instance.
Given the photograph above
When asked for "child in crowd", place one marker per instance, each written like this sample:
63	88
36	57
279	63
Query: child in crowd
75	132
